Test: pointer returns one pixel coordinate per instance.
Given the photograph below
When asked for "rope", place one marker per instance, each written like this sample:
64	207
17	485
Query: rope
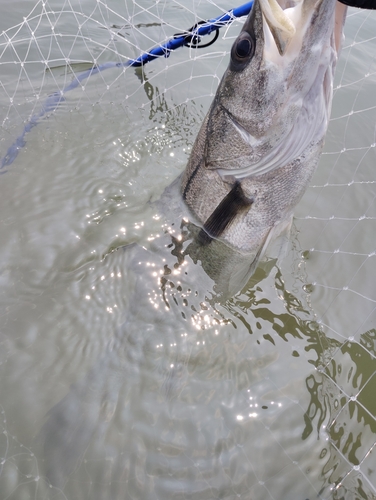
189	38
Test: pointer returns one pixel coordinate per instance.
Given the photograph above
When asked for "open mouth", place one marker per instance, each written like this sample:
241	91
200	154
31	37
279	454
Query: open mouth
285	23
279	22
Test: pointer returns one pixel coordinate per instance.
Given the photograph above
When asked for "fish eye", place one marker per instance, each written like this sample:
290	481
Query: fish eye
244	48
242	51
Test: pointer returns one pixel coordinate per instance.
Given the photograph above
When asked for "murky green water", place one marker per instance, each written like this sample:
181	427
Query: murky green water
124	375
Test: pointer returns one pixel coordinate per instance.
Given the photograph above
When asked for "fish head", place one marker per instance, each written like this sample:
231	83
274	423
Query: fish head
282	63
262	137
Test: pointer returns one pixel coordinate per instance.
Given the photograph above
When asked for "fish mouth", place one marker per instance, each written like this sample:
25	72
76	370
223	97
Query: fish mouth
285	24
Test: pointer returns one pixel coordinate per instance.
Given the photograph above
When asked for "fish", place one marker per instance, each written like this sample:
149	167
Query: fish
261	140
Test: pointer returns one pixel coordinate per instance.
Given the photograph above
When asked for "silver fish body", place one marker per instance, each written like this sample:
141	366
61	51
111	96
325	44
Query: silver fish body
264	132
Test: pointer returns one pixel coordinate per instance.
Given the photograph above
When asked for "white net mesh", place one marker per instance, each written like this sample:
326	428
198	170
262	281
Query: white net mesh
44	53
43	49
338	222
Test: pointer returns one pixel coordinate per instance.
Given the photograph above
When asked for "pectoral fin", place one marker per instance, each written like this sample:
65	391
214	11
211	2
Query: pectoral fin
234	203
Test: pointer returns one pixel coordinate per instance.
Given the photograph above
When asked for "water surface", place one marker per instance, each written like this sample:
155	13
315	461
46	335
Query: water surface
124	373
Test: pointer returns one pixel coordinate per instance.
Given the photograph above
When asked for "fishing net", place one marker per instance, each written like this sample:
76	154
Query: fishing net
48	44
